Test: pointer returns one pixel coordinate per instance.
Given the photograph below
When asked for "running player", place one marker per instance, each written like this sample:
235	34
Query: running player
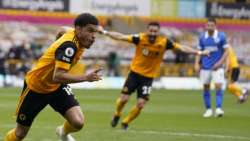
150	48
46	83
233	71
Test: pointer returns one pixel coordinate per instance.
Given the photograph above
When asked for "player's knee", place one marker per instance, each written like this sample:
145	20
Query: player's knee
140	105
124	99
206	87
218	86
77	123
21	134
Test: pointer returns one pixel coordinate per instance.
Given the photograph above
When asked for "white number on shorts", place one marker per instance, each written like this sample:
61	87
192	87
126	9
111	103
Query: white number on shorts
68	90
146	90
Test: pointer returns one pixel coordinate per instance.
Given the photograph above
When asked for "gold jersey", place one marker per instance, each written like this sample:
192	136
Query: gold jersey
148	56
232	59
63	53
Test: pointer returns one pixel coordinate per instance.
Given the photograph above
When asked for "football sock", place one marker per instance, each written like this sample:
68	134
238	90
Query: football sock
11	136
234	89
134	112
67	128
207	99
119	107
219	98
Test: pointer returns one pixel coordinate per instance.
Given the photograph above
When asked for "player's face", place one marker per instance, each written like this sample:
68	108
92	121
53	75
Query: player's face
210	26
153	31
86	35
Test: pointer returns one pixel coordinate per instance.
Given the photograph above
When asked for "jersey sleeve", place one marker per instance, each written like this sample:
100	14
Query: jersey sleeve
172	45
224	42
200	44
134	38
64	55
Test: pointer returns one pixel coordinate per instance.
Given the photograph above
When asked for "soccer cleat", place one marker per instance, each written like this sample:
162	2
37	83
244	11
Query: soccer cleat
208	113
219	112
244	96
115	121
124	126
62	136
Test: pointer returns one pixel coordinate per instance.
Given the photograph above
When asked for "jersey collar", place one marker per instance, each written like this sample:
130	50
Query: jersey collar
215	35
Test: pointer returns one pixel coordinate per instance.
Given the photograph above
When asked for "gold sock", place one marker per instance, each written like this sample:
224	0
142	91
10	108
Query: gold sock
11	136
67	128
134	112
234	89
119	107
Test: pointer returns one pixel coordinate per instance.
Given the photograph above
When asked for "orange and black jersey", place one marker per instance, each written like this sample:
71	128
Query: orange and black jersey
148	56
64	53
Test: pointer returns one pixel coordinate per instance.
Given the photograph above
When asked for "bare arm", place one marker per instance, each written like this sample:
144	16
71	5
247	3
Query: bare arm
113	34
222	60
117	35
197	63
190	50
62	76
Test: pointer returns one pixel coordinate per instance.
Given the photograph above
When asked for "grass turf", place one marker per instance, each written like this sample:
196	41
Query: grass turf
170	115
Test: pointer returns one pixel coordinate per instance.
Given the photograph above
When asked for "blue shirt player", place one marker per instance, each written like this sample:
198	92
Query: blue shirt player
211	67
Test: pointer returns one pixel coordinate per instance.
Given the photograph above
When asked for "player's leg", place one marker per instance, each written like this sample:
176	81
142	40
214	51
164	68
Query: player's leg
218	77
30	104
234	88
128	88
143	92
64	102
120	103
17	134
134	112
205	77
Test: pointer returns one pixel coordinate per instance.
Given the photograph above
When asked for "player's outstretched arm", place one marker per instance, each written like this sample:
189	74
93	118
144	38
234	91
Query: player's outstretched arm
62	76
113	34
191	50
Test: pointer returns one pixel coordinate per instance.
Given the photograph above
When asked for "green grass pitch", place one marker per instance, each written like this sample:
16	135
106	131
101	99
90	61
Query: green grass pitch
170	115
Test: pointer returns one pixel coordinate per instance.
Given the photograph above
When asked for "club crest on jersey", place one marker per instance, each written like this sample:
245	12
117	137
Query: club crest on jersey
145	51
217	40
69	52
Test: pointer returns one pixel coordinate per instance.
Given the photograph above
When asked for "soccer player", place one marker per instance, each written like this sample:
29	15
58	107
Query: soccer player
233	71
150	48
46	83
212	65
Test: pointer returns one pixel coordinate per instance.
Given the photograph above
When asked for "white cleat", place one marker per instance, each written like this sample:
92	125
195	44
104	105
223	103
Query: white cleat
62	136
244	96
219	112
208	113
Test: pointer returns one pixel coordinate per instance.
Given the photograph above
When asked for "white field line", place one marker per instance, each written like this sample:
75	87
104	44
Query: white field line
187	134
153	132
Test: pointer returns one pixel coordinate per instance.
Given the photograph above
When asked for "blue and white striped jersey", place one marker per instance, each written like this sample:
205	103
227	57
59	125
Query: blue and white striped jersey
215	44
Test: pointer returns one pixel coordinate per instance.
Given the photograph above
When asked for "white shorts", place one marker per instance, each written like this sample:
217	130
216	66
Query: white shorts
217	76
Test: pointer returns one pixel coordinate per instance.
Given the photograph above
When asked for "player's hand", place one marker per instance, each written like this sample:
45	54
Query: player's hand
204	52
101	30
94	75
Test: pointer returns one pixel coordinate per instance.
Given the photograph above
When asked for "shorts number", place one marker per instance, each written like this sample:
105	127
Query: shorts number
68	90
146	90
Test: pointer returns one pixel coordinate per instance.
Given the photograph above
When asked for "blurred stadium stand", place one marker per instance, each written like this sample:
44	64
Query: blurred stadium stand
29	26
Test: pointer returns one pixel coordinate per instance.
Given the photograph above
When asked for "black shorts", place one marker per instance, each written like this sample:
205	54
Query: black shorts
138	82
235	74
31	103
